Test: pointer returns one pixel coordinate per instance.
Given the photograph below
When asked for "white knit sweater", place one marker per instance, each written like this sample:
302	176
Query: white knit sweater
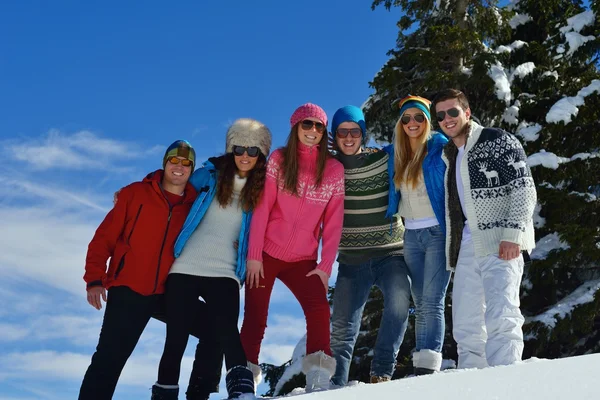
210	249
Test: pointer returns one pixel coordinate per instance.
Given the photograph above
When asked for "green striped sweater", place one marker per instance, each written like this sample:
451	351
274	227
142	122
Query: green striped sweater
366	232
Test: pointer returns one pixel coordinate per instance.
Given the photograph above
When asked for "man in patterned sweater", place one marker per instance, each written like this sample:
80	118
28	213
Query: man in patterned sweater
490	197
370	253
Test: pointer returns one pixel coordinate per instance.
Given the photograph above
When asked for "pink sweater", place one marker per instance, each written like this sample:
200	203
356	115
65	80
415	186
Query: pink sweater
288	227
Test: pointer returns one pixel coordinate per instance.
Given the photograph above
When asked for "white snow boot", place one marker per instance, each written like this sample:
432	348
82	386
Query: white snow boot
256	373
427	362
318	368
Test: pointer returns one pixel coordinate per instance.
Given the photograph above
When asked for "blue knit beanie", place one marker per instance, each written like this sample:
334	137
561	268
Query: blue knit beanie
349	114
415	102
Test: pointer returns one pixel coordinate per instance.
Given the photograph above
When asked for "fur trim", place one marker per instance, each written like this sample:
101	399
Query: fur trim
429	359
248	132
256	372
415	356
319	360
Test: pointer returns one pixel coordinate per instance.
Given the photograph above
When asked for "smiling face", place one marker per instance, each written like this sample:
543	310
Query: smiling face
454	127
244	164
176	175
414	129
348	145
312	136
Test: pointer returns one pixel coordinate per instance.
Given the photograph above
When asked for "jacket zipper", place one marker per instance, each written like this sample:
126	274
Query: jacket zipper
299	209
162	248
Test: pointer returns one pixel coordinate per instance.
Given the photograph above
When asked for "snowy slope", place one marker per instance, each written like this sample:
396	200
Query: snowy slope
574	378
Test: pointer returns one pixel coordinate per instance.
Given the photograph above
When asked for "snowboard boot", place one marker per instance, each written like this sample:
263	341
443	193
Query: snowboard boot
379	379
318	368
240	383
164	392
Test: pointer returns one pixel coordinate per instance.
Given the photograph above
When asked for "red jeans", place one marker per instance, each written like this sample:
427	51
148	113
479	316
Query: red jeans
310	293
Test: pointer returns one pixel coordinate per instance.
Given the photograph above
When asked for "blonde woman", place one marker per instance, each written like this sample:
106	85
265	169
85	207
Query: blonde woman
417	186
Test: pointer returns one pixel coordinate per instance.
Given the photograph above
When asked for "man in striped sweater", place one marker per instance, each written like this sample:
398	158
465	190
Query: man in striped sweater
370	253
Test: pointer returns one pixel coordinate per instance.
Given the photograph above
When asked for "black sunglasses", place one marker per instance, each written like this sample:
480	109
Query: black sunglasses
419	118
307	125
240	150
344	132
453	112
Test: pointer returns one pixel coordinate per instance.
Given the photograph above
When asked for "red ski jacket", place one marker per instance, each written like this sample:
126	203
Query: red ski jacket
138	235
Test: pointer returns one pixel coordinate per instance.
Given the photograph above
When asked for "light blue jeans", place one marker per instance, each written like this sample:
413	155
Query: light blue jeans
424	253
352	288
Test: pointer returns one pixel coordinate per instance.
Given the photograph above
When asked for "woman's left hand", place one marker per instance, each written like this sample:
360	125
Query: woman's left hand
321	274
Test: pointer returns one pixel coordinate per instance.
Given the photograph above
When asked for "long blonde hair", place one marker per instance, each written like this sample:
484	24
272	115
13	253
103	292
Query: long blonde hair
408	169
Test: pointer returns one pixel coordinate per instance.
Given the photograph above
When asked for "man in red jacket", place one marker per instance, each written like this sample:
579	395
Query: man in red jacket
138	235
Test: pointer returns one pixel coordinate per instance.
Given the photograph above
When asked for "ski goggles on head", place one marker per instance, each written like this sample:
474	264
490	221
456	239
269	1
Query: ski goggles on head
240	150
344	132
184	161
453	112
419	118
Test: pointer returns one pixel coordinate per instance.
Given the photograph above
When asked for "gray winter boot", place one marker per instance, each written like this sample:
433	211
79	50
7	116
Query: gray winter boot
164	392
318	368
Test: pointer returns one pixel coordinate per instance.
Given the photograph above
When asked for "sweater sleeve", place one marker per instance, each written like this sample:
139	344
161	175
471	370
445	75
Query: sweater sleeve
333	219
103	244
260	216
523	196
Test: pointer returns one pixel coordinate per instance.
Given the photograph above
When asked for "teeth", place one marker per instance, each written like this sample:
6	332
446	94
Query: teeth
310	137
348	144
450	125
177	173
413	128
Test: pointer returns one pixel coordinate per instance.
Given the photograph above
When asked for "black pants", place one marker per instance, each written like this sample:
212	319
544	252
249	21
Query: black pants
126	315
222	297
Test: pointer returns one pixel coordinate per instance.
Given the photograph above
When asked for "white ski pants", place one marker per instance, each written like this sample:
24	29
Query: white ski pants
487	321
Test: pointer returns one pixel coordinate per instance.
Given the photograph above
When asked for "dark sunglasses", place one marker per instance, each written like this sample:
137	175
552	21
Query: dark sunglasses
307	125
419	118
185	162
344	132
240	150
453	112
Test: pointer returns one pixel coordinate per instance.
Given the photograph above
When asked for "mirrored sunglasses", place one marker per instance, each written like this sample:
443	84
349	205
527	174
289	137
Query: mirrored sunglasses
453	112
184	161
307	125
419	118
240	150
344	132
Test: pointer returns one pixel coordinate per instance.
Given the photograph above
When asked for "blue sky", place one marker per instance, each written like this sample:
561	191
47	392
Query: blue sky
91	94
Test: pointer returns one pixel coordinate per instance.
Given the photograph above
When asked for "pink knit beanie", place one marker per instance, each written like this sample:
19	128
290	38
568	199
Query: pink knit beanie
308	110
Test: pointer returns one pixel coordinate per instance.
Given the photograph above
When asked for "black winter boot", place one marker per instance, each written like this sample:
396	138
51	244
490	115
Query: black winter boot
423	371
161	393
240	383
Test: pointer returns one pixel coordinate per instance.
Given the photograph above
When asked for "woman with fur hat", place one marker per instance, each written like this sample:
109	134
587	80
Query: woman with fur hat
211	259
417	189
302	203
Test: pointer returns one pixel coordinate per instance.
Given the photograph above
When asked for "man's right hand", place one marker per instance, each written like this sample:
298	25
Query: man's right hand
116	197
93	296
254	269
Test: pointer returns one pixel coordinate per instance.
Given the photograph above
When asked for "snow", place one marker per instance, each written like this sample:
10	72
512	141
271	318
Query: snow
538	220
583	294
528	131
546	159
589	197
553	74
578	22
498	74
466	71
566	107
517	44
511	114
576	40
546	244
523	70
566	378
519	19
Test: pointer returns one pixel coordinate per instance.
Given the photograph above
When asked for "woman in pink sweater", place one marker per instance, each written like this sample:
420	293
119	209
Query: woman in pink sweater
302	203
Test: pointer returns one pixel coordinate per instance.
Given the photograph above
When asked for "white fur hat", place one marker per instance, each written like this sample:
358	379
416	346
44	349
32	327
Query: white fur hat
248	132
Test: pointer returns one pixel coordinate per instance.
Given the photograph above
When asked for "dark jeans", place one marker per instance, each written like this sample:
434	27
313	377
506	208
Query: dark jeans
126	315
222	297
